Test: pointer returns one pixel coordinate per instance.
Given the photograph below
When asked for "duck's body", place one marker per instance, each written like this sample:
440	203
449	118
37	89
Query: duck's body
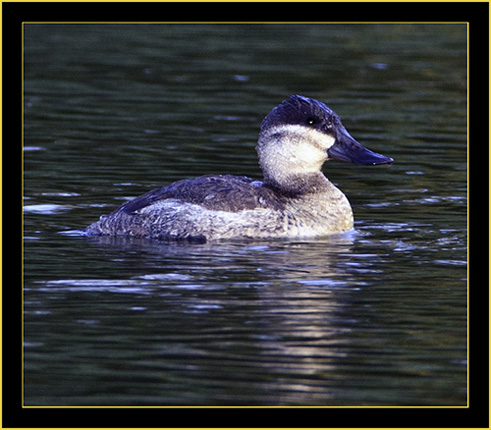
294	200
225	207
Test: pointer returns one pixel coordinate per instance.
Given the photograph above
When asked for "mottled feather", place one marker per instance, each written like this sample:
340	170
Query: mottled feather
218	192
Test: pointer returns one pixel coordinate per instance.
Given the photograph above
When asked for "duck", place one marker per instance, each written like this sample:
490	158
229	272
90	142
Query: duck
293	200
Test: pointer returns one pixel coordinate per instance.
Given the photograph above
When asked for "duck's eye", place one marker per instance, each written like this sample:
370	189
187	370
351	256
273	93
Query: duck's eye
311	121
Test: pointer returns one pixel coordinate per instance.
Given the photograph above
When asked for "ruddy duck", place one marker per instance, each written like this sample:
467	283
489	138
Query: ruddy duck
293	200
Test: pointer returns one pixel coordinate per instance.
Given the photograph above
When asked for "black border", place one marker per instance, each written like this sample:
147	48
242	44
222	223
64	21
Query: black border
476	415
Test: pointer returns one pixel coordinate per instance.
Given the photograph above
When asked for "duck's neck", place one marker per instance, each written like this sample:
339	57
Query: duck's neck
291	163
295	185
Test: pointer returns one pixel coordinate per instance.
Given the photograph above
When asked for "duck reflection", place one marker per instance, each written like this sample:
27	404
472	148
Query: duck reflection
257	323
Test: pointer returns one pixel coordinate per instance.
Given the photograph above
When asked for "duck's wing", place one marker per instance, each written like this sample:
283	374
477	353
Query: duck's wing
217	192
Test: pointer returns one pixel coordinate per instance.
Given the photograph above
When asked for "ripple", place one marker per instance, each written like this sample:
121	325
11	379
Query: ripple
451	262
46	209
90	285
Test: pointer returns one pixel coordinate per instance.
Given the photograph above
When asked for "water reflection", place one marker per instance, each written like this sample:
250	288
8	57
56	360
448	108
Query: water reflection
241	323
275	304
283	261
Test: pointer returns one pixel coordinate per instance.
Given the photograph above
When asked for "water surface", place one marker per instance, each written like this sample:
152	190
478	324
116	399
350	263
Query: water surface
377	316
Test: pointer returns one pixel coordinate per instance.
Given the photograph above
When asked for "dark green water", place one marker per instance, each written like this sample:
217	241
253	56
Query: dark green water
375	317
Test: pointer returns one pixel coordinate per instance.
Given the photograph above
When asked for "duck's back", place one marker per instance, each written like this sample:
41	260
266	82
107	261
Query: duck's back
215	192
191	209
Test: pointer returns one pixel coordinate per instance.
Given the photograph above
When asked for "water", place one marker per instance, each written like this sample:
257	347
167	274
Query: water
377	316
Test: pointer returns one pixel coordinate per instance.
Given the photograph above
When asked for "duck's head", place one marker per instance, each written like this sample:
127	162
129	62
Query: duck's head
299	135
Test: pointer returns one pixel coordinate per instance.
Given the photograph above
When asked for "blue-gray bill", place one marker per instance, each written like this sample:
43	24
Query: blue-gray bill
346	148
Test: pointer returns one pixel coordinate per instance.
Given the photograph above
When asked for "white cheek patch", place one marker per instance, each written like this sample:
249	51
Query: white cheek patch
321	140
308	149
294	149
311	136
